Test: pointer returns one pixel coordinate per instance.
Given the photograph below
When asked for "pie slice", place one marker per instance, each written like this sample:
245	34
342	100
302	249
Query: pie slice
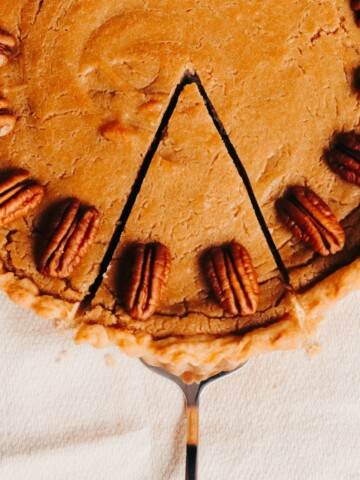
193	163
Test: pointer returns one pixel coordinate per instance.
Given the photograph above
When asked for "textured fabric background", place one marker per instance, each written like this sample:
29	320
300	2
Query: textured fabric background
74	413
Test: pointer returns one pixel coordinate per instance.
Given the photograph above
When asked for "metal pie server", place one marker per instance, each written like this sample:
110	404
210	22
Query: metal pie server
191	394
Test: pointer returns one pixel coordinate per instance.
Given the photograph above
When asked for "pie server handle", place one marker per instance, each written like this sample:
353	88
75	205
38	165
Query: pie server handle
192	395
191	453
192	414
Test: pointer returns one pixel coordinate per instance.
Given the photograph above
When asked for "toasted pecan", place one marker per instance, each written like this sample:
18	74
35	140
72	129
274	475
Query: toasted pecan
344	157
232	277
72	237
311	220
7	47
7	118
149	275
355	5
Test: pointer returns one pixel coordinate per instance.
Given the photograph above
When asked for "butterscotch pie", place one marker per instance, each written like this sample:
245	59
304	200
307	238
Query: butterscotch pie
180	179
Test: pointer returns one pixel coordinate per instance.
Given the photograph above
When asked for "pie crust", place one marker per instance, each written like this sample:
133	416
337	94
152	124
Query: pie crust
281	83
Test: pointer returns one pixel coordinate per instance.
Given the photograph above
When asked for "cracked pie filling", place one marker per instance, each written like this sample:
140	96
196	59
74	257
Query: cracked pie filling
182	181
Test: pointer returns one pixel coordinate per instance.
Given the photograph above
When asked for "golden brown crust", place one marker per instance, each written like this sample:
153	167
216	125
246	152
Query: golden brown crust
333	288
198	357
26	294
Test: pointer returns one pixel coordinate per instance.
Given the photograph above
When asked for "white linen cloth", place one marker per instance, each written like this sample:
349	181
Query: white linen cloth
74	413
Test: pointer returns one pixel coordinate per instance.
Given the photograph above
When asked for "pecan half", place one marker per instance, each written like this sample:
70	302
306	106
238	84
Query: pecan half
311	220
344	157
7	118
355	5
149	275
7	47
18	196
72	237
233	278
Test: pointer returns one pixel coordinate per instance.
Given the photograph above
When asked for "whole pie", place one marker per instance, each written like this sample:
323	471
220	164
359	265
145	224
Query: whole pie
180	179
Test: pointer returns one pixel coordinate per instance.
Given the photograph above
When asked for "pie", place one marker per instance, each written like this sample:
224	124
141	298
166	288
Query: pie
180	179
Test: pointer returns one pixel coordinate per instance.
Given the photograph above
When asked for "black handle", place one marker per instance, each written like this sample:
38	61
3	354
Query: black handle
191	453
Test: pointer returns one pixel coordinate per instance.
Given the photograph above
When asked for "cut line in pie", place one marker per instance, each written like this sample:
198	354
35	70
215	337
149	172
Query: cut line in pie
187	79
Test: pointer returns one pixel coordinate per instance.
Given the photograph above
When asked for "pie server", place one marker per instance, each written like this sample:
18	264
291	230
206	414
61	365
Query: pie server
192	391
191	394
